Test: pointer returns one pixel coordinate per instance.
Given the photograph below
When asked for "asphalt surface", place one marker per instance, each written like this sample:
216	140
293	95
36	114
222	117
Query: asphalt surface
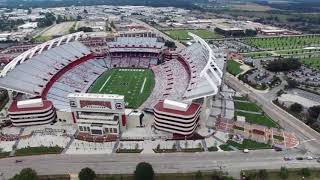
232	162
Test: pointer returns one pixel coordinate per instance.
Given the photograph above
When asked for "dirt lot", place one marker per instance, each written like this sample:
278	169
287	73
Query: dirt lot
58	29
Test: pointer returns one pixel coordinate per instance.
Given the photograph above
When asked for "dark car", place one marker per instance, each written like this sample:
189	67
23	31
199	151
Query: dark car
148	110
18	161
299	158
287	158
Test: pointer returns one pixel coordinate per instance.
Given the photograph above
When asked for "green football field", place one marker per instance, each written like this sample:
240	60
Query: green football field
135	84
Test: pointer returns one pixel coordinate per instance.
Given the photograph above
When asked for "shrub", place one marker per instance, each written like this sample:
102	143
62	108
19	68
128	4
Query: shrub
87	174
305	172
284	173
26	174
144	171
296	107
263	174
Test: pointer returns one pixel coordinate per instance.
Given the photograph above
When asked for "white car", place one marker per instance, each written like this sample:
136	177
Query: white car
246	150
309	158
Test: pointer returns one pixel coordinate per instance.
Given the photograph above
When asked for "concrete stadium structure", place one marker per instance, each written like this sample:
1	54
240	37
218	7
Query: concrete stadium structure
64	65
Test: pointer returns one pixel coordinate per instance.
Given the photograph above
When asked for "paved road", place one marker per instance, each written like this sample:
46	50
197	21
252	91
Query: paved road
232	162
309	139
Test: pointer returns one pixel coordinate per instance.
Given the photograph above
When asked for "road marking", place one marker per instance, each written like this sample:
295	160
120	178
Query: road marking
144	82
104	84
307	140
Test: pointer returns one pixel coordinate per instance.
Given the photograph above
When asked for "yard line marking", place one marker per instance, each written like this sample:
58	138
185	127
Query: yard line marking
104	84
144	82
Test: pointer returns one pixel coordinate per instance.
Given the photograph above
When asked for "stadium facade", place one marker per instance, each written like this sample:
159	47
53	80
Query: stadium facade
98	114
176	117
31	112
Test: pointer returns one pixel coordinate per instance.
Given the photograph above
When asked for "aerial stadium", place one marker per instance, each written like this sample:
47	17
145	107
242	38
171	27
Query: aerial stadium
142	70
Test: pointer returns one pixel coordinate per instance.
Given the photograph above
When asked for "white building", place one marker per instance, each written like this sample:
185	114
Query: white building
29	25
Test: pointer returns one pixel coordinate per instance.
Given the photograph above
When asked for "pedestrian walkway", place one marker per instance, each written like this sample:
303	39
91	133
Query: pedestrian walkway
70	142
148	147
115	147
204	144
74	176
13	152
178	145
249	112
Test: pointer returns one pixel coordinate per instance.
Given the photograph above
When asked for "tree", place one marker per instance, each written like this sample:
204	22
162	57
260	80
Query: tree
26	174
170	44
250	32
47	21
198	175
112	25
59	19
314	112
263	174
291	83
87	174
85	29
144	171
305	172
284	173
296	107
283	64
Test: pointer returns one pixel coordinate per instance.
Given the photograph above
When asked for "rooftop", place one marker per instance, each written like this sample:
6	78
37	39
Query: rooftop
192	109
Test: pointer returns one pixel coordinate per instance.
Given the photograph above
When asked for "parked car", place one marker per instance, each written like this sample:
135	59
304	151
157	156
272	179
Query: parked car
288	158
246	150
148	110
18	161
309	158
299	158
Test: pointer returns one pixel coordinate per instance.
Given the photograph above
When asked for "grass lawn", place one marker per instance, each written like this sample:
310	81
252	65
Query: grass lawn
233	67
247	106
258	119
182	34
41	38
241	98
225	147
294	174
135	84
212	148
287	42
38	150
258	54
192	150
129	150
249	144
4	154
312	62
165	150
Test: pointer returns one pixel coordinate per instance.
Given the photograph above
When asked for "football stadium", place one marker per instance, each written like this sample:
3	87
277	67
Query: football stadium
92	81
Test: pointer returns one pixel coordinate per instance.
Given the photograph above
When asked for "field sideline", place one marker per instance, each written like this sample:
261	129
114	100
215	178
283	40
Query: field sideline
135	84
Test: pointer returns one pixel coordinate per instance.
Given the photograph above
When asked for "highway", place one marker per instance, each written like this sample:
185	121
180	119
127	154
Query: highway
232	162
